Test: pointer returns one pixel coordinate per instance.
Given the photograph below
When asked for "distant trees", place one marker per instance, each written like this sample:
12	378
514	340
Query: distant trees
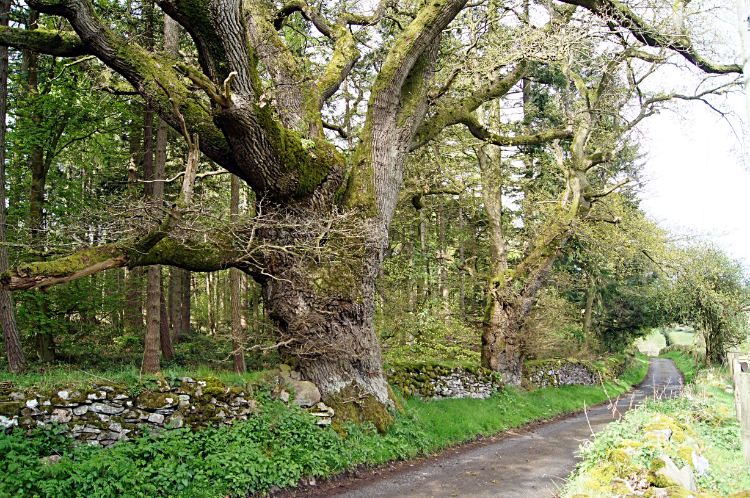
709	290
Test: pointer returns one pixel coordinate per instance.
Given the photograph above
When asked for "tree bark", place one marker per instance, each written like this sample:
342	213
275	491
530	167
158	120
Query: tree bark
185	307
13	350
235	282
167	349
175	301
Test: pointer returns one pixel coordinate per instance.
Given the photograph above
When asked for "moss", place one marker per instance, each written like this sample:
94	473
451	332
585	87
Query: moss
396	402
658	480
155	400
214	387
10	408
351	404
619	457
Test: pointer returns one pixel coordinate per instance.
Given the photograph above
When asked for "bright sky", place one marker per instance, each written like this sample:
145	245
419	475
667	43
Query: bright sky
697	181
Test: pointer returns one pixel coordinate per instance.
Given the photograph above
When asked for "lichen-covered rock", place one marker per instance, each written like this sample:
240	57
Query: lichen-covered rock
663	473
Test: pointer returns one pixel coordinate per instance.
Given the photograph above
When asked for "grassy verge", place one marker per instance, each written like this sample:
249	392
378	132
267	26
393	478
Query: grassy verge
702	421
275	448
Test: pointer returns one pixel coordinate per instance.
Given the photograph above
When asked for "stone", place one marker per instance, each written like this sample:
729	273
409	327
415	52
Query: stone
108	389
8	422
156	418
98	395
621	487
80	410
176	421
50	460
32	403
63	394
661	433
188	380
106	408
284	396
115	427
184	399
61	416
103	417
688	479
323	421
91	430
664	473
306	394
700	464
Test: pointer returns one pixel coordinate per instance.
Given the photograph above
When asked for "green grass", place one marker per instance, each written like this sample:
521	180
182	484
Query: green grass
275	448
56	376
685	363
682	337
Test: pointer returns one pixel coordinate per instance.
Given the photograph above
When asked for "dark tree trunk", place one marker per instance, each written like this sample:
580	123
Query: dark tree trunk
13	350
151	362
175	300
167	350
186	285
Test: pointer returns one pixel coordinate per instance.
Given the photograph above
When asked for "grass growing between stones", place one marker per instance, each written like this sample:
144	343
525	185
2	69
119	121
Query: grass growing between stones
277	447
702	422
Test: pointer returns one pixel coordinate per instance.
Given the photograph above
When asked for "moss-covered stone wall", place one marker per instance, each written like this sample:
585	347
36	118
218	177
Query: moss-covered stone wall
435	381
107	413
561	372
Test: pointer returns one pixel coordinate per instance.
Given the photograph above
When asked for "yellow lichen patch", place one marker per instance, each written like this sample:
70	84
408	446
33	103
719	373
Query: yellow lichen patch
686	453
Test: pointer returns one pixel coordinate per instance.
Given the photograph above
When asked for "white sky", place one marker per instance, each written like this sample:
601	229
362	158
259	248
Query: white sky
697	182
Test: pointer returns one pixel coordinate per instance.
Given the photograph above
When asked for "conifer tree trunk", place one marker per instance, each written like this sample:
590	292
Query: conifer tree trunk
13	349
185	307
238	335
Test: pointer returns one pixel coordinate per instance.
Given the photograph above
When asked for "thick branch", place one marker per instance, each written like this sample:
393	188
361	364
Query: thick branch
648	35
459	111
57	43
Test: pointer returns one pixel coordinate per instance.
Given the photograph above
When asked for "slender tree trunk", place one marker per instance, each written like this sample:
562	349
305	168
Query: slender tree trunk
133	278
185	307
13	349
167	350
151	362
43	340
590	295
238	335
461	260
175	300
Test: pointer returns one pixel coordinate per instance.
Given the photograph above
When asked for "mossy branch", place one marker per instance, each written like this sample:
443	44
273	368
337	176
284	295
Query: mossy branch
45	41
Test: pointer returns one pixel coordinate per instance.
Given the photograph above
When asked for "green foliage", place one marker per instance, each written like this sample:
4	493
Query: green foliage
708	290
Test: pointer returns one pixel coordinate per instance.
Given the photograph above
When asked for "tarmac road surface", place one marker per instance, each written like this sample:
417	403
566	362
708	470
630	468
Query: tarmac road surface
534	463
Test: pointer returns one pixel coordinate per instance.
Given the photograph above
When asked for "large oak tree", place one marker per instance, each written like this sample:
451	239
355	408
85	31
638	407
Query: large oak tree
255	105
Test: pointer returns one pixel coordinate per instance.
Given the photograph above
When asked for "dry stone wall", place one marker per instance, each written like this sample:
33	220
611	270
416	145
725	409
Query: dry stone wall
563	372
107	413
435	381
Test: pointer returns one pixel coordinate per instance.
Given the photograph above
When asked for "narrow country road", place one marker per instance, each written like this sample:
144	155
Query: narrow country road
531	464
